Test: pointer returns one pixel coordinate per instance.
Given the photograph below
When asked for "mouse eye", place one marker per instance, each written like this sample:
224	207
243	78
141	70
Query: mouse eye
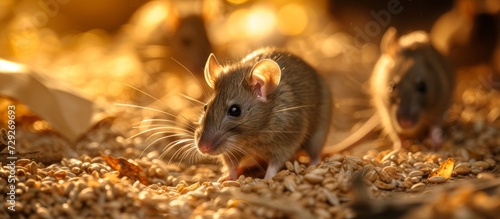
205	107
234	110
421	87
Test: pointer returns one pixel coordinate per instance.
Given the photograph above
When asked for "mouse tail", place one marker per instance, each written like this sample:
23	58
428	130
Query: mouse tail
354	137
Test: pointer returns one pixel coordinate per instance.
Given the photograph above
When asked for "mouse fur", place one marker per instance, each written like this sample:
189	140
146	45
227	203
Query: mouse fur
265	107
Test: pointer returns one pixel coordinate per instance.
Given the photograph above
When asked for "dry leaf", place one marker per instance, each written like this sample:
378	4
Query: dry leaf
67	112
126	168
445	170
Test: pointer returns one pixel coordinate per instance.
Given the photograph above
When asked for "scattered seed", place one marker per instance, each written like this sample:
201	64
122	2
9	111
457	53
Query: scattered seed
385	186
290	184
487	176
313	178
418	187
416	173
231	183
437	179
476	170
371	176
482	164
392	172
319	171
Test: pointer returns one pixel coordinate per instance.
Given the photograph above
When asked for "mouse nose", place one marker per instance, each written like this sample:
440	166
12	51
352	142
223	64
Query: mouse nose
204	148
405	123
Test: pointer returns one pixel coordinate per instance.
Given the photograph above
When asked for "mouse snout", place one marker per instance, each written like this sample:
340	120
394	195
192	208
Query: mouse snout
407	117
209	143
204	148
405	123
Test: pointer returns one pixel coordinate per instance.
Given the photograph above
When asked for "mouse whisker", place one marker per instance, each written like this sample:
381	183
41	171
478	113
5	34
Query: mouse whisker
193	102
193	99
159	139
232	156
176	142
191	152
161	122
247	154
156	120
166	137
187	153
187	150
292	108
172	145
180	153
145	93
271	131
194	77
144	107
172	128
160	127
151	109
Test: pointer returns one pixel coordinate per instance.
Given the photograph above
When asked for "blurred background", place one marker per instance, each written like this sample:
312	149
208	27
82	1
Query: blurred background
160	46
136	41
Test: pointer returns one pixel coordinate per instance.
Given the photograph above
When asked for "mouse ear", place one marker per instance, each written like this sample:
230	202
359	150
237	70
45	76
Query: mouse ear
389	42
212	70
265	77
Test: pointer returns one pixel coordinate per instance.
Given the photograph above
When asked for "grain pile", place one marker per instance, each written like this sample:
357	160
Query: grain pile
382	183
87	187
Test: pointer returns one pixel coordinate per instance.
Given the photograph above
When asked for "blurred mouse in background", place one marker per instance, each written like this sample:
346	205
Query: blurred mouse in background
469	35
164	36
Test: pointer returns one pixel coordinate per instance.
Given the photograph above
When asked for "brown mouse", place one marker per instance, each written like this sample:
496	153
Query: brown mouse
266	106
412	87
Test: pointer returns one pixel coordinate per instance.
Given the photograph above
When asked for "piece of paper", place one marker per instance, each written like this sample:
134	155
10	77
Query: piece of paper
68	113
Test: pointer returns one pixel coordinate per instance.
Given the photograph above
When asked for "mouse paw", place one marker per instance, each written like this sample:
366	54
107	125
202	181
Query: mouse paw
271	171
226	177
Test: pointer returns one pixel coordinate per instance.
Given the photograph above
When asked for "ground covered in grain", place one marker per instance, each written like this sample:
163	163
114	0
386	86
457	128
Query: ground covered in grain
381	183
122	167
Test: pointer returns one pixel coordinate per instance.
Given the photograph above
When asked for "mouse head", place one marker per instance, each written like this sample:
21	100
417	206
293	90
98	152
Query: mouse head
414	81
239	105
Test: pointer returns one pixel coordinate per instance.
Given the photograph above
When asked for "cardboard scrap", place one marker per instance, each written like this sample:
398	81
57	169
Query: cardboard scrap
68	112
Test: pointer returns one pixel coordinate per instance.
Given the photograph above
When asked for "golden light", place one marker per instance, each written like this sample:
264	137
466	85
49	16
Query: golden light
193	90
260	21
173	83
292	19
115	88
12	67
40	125
152	15
235	21
255	23
237	2
332	46
177	103
121	65
24	36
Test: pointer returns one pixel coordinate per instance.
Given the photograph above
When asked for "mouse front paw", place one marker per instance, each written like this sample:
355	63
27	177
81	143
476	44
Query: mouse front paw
224	178
228	176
